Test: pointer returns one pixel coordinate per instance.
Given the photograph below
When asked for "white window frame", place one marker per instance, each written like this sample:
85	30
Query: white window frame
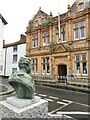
42	66
45	65
35	41
83	28
86	66
76	61
34	63
82	6
76	28
79	30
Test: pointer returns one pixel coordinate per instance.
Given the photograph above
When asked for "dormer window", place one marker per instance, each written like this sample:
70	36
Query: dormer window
81	6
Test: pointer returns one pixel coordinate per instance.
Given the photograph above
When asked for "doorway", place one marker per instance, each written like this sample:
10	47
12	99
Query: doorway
62	73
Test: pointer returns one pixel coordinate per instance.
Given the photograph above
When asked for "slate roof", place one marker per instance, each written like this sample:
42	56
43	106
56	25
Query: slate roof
3	20
21	41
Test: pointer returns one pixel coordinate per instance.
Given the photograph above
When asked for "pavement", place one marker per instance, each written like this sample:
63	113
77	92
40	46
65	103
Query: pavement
10	89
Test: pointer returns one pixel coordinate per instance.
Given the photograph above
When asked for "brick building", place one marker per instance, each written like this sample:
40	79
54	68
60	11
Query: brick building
61	49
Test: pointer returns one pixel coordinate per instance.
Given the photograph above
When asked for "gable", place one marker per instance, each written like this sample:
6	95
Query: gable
39	14
60	48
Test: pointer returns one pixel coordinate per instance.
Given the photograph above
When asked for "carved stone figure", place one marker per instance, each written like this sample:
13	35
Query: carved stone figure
21	81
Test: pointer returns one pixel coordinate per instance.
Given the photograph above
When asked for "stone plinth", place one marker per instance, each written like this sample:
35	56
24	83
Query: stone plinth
36	108
21	103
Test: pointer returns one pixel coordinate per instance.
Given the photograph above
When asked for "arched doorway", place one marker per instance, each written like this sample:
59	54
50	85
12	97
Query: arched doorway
62	73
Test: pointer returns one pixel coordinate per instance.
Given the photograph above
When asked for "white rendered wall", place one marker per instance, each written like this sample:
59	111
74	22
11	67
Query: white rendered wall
1	47
9	58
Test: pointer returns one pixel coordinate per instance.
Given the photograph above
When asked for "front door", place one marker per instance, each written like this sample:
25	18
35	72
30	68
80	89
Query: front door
62	73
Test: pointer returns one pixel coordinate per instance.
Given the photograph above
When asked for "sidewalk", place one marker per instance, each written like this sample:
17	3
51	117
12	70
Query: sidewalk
78	88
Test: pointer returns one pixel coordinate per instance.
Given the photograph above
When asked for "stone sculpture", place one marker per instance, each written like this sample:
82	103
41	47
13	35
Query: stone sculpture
21	81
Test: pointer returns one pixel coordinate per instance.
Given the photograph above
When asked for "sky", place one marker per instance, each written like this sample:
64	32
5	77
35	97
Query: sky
18	13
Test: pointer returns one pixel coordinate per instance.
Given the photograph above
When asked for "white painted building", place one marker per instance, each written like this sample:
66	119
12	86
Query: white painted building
2	23
13	52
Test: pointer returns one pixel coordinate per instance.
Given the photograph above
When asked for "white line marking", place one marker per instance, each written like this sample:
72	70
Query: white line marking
60	116
67	101
74	112
48	99
53	97
42	95
81	104
62	103
76	103
35	93
59	108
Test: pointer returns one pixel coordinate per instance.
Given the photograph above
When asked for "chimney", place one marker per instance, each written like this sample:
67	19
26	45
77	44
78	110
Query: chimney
22	37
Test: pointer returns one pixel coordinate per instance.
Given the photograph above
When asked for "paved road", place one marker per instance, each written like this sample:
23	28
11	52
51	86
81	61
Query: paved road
73	104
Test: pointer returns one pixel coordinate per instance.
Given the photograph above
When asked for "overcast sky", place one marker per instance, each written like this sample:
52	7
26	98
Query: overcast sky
18	13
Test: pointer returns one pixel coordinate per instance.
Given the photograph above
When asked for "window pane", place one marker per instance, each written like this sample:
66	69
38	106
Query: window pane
43	65
75	25
84	68
77	57
47	63
32	63
48	69
82	32
36	65
36	42
81	6
63	34
15	48
77	67
76	33
83	57
15	58
82	24
48	40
